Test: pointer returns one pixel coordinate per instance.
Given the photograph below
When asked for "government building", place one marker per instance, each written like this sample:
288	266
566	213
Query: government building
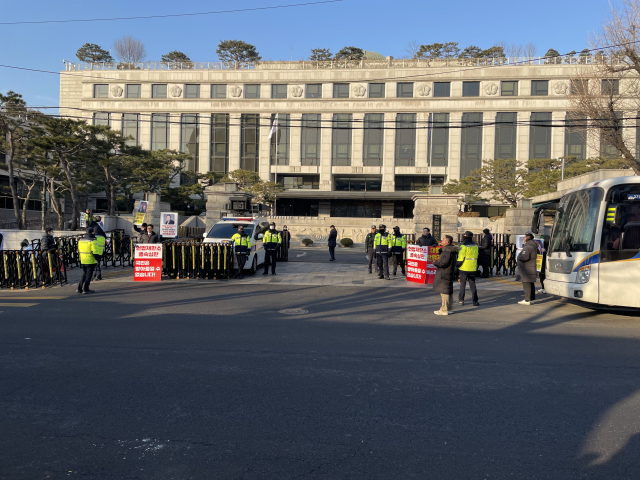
355	139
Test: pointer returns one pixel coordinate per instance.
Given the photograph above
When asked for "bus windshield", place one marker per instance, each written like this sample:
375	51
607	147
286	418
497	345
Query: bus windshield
576	222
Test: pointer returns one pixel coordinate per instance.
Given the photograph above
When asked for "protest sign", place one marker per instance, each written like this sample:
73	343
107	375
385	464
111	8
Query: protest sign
169	224
141	212
147	266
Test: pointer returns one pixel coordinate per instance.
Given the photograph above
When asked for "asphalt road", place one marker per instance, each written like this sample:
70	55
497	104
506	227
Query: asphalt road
206	380
321	255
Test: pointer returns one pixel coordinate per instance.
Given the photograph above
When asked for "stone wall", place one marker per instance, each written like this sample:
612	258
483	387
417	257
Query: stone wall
426	206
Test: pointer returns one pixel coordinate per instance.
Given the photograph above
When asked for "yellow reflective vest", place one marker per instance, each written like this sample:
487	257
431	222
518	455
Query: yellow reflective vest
398	244
101	241
271	240
242	242
381	242
86	248
468	254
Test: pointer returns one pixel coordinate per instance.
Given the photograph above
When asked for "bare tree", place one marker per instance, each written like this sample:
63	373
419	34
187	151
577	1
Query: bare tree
412	49
530	50
130	50
607	90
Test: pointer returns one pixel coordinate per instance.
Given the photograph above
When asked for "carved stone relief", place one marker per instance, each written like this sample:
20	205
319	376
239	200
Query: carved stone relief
491	88
235	91
116	91
296	91
423	90
359	90
175	91
560	88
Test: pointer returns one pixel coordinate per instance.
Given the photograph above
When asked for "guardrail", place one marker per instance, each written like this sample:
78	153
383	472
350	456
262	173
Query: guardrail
32	269
206	261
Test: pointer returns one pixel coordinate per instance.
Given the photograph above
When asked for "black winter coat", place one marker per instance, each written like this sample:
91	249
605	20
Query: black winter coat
485	248
47	243
146	238
427	241
443	282
527	262
333	235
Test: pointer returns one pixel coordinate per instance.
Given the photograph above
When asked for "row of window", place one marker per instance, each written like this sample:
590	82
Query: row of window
341	138
361	183
509	88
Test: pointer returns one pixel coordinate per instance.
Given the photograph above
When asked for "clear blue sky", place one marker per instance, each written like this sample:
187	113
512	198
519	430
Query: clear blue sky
379	25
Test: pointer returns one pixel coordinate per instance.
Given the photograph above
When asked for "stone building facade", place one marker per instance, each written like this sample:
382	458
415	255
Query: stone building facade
355	139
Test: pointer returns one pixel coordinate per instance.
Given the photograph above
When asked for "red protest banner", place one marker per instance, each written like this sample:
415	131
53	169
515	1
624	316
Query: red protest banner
147	266
416	264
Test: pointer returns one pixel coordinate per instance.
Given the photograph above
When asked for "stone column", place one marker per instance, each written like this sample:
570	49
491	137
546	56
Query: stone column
295	139
388	158
325	152
488	136
264	149
234	142
426	206
518	220
422	136
204	147
455	137
557	134
357	140
144	131
522	134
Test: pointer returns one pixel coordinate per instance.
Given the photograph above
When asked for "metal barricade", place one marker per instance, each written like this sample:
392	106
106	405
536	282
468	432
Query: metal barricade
32	269
206	261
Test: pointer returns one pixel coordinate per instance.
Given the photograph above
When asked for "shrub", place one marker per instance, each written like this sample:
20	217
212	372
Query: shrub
307	242
346	242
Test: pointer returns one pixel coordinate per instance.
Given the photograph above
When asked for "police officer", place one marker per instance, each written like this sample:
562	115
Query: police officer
242	244
468	267
381	244
398	245
101	242
87	248
369	248
271	242
88	218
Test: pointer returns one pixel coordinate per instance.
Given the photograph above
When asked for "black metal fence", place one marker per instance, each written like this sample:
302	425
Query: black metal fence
207	261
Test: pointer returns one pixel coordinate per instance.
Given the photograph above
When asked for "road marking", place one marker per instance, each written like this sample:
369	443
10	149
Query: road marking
301	254
31	298
18	304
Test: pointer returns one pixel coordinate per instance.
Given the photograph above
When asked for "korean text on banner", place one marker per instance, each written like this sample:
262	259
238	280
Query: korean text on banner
169	224
147	265
416	264
539	263
141	212
434	254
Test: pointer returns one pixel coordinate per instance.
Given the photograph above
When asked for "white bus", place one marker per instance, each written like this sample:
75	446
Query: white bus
594	251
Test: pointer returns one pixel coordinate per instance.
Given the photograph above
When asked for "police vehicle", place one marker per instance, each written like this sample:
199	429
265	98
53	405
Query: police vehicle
222	232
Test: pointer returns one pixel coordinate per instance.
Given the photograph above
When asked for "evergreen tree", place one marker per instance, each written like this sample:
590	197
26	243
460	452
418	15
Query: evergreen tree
320	55
350	53
92	53
237	51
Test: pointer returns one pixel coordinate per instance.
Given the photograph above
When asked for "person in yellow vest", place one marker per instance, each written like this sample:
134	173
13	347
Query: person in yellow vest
381	244
87	248
271	242
242	247
398	246
468	267
88	217
101	241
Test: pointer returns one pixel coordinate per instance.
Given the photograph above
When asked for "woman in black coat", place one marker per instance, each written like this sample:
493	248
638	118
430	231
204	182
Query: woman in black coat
527	268
443	282
332	242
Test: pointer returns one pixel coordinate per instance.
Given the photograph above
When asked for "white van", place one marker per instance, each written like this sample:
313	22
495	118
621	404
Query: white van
222	232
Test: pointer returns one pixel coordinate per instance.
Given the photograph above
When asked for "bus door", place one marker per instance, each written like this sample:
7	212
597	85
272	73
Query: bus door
620	248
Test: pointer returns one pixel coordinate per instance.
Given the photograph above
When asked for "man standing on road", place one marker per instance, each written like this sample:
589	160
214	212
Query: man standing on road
271	241
332	242
369	249
468	267
443	282
381	244
527	268
398	245
485	253
426	240
286	243
87	248
242	245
